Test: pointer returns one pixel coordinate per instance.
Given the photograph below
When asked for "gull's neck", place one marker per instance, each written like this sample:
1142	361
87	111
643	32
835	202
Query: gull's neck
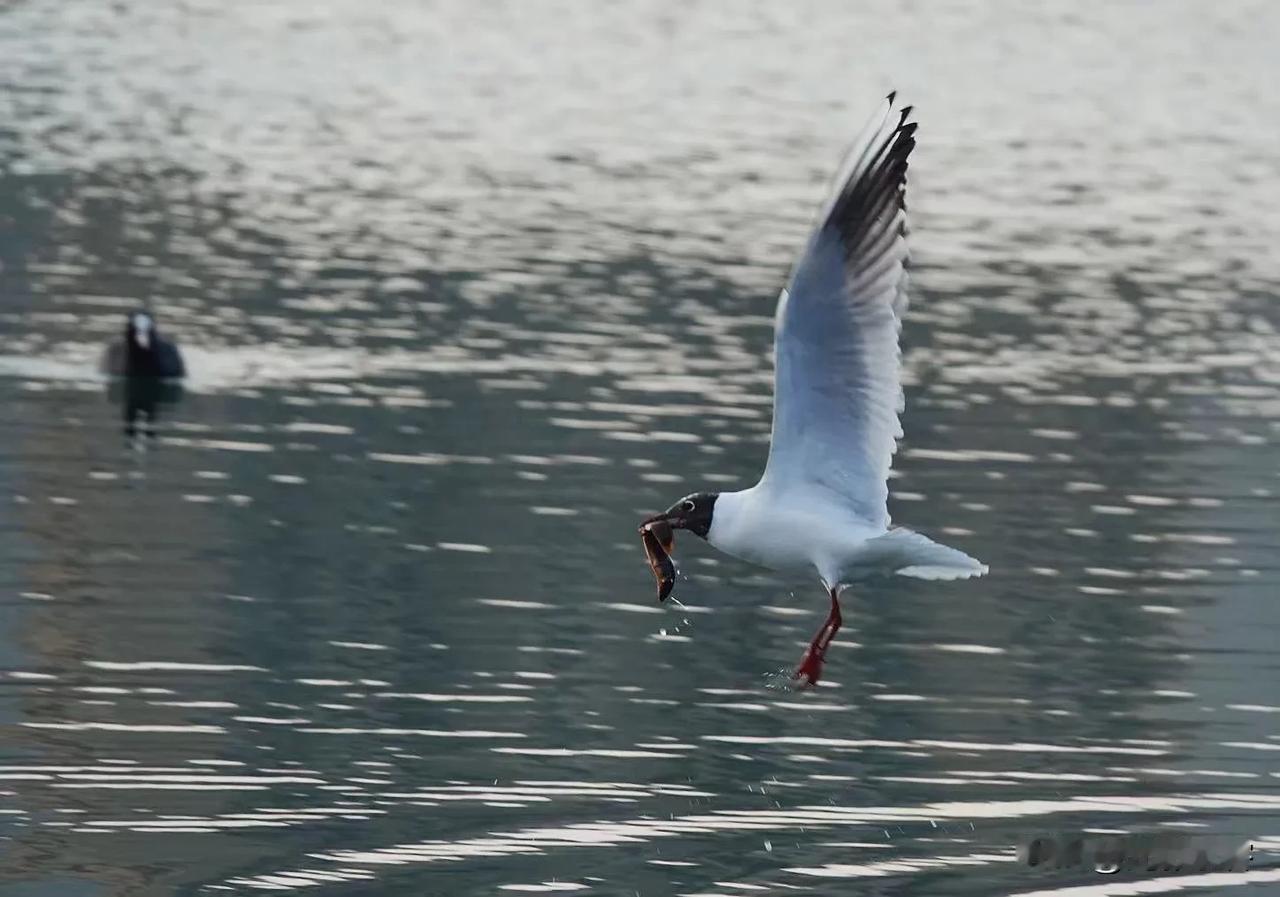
728	521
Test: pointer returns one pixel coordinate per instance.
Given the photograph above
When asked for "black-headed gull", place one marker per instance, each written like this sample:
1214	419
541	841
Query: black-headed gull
821	503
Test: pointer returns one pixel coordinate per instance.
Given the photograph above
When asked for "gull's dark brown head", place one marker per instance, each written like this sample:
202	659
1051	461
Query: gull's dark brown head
693	512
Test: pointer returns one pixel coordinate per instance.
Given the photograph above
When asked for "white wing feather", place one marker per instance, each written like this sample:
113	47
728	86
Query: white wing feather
837	383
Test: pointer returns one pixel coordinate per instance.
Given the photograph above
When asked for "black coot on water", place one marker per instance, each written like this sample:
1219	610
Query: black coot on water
151	368
144	352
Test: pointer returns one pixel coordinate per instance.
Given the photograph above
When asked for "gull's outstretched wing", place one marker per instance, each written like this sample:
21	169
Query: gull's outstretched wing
837	385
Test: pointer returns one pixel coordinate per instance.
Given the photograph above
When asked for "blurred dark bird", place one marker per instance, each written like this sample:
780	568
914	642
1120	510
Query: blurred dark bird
141	400
143	352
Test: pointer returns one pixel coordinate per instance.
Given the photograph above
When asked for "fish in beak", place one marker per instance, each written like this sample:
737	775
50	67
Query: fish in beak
663	524
658	542
659	539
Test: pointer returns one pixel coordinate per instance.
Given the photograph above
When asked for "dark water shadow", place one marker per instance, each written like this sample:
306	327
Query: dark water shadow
141	401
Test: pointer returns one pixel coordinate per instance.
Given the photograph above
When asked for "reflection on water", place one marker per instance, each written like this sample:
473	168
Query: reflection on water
457	307
141	400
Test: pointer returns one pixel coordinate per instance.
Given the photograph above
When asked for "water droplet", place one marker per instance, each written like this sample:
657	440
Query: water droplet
768	845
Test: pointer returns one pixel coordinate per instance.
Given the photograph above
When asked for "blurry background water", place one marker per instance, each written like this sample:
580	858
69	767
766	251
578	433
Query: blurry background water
466	288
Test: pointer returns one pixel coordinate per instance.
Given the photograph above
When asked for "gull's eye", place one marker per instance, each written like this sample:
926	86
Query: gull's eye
687	505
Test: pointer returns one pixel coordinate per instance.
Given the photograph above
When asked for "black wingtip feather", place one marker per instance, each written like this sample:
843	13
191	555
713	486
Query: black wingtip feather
868	204
893	95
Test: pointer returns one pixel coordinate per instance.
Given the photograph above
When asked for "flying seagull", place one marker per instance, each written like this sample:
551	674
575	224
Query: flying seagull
143	352
821	504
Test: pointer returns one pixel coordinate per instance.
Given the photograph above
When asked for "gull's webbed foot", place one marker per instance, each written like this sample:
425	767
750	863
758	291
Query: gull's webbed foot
810	669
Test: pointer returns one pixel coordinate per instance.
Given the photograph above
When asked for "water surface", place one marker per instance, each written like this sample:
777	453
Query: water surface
465	290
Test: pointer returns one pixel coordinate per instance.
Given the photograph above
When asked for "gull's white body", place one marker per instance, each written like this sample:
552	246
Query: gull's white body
795	533
821	503
789	532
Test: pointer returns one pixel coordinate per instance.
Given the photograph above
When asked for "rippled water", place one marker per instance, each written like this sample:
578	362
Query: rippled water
467	288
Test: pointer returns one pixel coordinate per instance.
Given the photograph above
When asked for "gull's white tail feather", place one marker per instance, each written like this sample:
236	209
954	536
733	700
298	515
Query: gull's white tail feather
907	553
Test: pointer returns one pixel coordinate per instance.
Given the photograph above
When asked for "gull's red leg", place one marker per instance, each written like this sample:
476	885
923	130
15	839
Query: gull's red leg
810	667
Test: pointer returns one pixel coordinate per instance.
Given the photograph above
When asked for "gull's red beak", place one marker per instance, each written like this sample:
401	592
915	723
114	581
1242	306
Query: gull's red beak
672	517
